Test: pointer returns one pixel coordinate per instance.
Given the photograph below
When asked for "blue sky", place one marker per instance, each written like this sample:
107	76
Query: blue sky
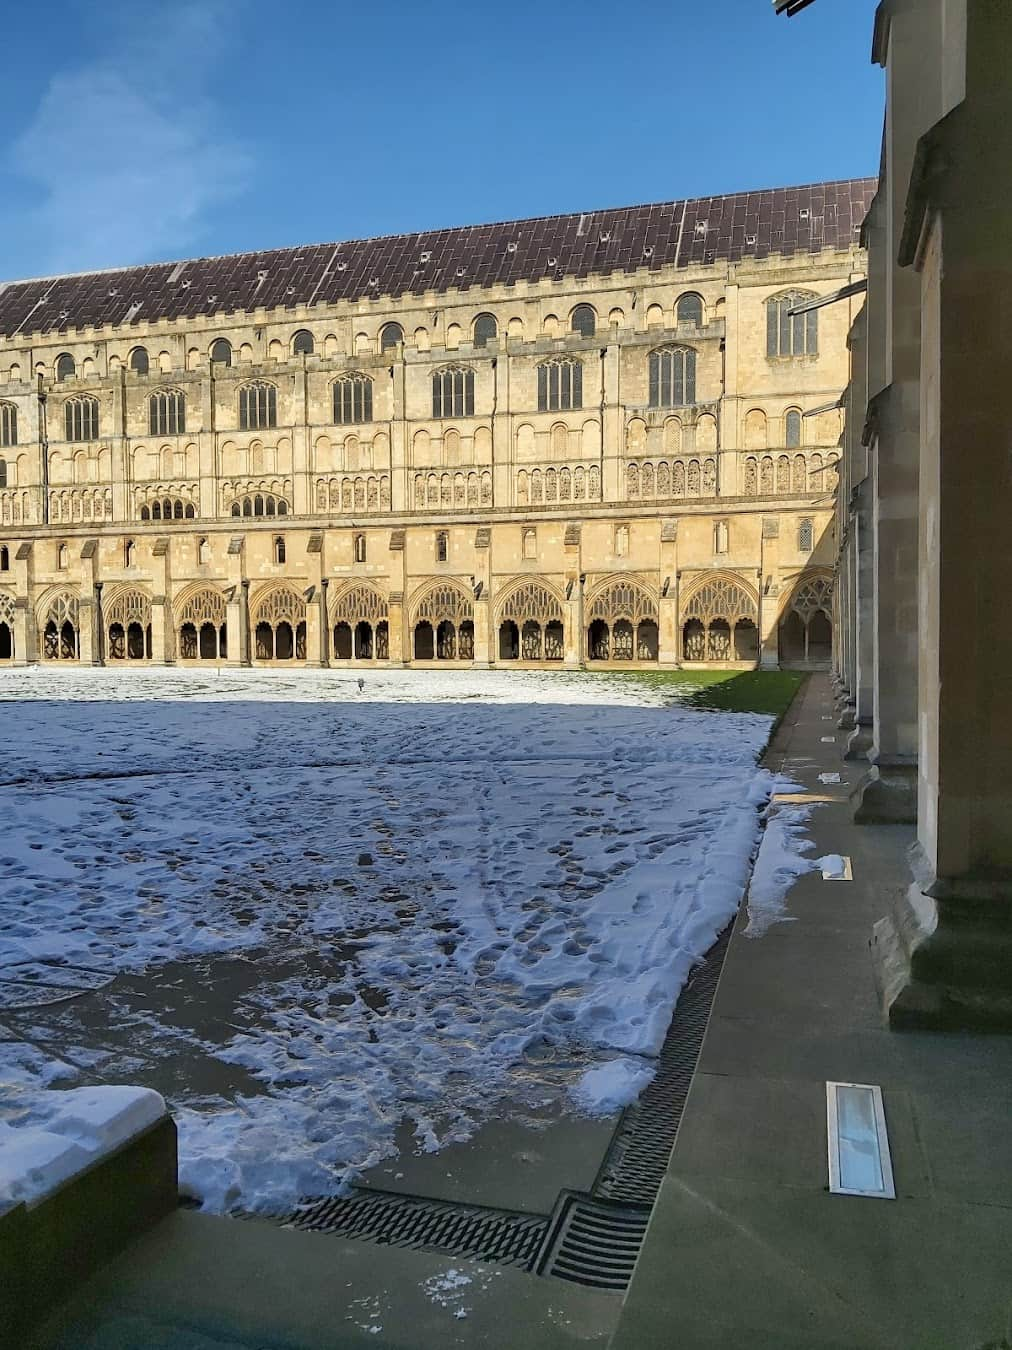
182	127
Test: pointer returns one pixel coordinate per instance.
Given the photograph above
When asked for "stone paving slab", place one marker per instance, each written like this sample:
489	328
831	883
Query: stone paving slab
746	1246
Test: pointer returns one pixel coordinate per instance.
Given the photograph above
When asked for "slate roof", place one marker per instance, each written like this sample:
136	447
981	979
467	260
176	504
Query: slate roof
695	232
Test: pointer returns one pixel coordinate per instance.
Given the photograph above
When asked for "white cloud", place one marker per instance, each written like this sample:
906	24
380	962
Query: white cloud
127	155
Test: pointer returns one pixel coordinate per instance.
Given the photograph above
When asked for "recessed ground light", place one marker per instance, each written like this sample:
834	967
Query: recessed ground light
859	1161
828	740
829	777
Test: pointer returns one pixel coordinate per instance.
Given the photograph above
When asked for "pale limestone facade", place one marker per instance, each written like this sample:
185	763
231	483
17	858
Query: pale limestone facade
664	524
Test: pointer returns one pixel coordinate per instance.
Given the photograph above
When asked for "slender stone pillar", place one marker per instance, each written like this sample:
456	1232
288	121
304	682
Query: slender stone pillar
944	956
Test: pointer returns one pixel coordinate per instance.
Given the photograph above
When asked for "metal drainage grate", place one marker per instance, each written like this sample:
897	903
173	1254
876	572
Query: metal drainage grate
509	1238
593	1243
637	1159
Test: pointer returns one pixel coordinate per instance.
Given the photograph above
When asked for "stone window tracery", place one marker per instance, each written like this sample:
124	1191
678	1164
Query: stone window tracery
352	399
258	406
80	418
278	620
360	625
8	428
560	385
787	334
453	392
672	377
167	412
719	622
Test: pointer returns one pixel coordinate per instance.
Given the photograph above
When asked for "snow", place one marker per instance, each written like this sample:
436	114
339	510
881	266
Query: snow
65	1132
417	902
781	860
610	1086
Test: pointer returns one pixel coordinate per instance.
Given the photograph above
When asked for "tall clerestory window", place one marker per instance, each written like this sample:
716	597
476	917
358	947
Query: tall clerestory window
790	334
560	386
167	413
8	424
258	406
672	377
81	419
453	393
352	399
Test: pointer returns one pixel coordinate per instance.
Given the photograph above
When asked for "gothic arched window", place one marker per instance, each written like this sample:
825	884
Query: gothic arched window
8	424
81	419
791	334
672	377
806	536
560	386
453	393
258	406
167	413
352	399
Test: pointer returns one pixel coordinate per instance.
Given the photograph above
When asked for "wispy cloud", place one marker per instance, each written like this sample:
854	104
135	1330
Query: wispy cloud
127	156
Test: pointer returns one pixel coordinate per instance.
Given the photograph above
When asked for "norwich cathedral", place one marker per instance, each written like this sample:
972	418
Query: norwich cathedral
604	439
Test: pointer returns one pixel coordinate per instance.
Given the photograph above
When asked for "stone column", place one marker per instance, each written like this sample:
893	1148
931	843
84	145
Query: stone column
670	648
398	634
769	595
24	633
944	956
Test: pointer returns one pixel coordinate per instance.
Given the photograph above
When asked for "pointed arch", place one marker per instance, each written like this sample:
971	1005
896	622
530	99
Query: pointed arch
523	598
720	595
442	599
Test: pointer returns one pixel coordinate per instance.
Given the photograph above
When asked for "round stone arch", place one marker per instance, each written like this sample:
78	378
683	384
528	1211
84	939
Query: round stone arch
621	618
720	619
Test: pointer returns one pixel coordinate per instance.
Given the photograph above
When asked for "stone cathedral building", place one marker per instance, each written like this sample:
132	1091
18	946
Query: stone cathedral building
600	438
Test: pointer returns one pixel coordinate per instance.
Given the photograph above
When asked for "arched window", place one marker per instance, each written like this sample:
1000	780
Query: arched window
167	413
583	320
258	406
8	424
442	545
65	367
793	428
720	536
352	399
360	548
5	559
453	392
530	544
129	554
485	329
302	343
279	549
390	335
221	351
81	419
806	536
689	310
139	360
62	557
3	473
791	334
672	377
560	386
203	552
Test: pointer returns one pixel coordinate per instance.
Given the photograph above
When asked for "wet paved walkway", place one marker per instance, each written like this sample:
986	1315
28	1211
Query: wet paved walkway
746	1246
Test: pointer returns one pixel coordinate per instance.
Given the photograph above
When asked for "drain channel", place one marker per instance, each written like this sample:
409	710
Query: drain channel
589	1239
502	1236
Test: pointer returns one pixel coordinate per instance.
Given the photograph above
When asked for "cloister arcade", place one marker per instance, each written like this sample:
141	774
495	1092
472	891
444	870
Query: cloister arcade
6	627
200	625
128	626
278	624
622	623
720	621
59	624
530	624
360	627
806	625
443	624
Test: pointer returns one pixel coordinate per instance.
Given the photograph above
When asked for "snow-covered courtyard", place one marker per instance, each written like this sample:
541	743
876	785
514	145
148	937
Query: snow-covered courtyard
308	913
